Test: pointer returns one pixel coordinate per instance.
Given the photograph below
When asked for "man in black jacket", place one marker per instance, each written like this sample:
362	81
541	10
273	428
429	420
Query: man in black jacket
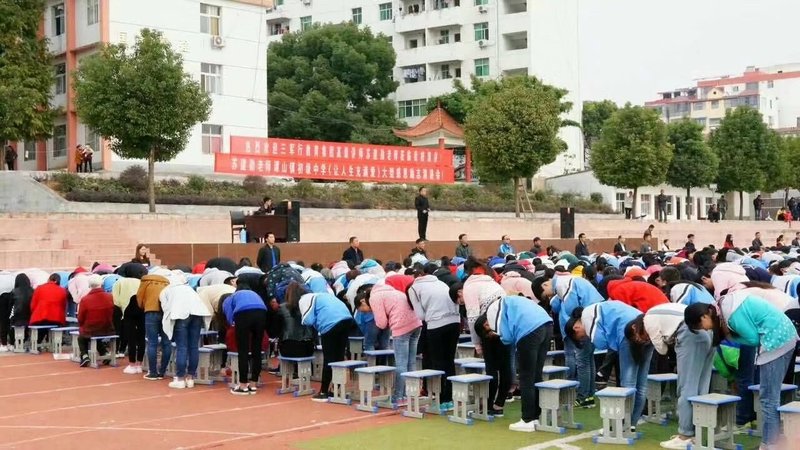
661	201
690	247
353	253
582	247
619	247
757	244
423	207
269	255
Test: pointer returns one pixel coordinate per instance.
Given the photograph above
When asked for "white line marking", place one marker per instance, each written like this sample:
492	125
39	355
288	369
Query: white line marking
27	364
158	430
559	442
23	394
27	377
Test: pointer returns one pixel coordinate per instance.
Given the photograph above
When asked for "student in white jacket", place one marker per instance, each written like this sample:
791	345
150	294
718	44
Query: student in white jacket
185	314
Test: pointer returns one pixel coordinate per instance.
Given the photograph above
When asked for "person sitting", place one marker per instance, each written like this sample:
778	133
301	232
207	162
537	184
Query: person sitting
49	304
505	247
266	209
95	318
419	249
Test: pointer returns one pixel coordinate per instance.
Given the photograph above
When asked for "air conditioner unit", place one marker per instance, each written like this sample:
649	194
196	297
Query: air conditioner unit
217	41
481	43
483	9
306	2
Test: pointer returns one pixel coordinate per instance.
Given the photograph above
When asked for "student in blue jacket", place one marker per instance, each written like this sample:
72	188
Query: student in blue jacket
521	322
613	325
332	320
565	293
247	311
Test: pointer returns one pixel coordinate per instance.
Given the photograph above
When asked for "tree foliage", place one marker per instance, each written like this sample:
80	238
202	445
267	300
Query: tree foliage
331	82
26	73
513	131
633	150
693	164
141	99
595	114
790	150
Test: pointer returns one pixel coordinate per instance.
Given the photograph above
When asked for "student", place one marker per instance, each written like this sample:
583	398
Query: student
147	298
124	294
505	246
753	321
49	304
295	340
682	291
479	277
433	305
497	356
526	325
393	310
185	315
333	322
639	294
22	294
95	318
246	310
616	326
565	293
664	326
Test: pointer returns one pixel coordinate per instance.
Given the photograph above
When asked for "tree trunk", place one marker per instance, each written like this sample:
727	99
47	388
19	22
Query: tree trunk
151	183
517	200
741	205
689	205
785	196
635	202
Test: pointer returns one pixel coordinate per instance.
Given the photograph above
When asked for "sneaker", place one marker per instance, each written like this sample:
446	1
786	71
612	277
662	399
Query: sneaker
151	377
190	383
120	355
160	376
4	349
525	427
510	397
138	369
495	412
130	370
177	384
85	361
517	394
321	397
585	403
446	407
253	389
274	370
677	443
239	390
743	429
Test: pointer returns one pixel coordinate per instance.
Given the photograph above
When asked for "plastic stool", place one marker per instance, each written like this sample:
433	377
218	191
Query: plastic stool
714	415
413	382
371	377
554	372
787	395
466	408
300	385
659	384
340	380
616	405
556	398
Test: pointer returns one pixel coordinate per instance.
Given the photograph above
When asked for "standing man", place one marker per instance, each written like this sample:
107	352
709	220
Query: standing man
757	244
619	247
353	253
722	206
758	203
582	247
661	201
628	205
11	157
463	250
269	255
690	247
423	207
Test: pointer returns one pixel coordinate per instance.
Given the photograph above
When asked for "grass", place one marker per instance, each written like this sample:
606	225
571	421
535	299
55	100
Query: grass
436	432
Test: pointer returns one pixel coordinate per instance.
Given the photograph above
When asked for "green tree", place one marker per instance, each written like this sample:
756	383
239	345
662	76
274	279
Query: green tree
633	150
790	149
693	164
141	100
514	131
26	74
331	83
747	149
593	117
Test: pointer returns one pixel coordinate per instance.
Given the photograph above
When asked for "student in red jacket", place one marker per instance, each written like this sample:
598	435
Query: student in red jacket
95	317
49	303
639	294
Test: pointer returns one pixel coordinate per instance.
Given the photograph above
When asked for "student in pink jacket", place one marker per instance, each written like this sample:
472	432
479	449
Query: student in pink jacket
392	309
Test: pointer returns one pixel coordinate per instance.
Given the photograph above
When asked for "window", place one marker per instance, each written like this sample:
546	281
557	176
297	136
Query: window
619	202
644	205
700	121
357	16
93	139
61	79
92	12
385	10
212	138
482	67
59	141
457	37
458	75
770	84
278	2
210	18
29	151
444	36
482	31
714	123
411	108
708	202
445	71
413	43
715	104
59	25
305	23
670	200
481	2
736	89
699	106
211	78
751	87
770	121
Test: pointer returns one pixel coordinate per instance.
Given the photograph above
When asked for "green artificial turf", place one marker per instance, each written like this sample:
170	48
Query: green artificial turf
436	432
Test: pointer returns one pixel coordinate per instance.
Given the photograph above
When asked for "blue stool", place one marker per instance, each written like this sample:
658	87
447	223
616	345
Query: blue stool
465	350
790	413
556	398
35	337
459	362
356	347
555	358
616	405
371	377
475	367
658	385
469	407
787	395
341	374
712	412
554	372
111	351
373	355
57	341
413	382
300	385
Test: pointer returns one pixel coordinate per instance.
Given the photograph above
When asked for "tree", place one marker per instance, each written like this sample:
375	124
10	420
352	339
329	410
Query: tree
594	116
746	148
693	164
26	74
514	131
141	100
632	151
790	149
331	83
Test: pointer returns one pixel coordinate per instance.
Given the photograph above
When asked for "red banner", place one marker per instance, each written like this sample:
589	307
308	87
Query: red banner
335	161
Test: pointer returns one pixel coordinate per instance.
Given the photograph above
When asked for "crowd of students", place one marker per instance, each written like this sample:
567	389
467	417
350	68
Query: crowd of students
730	308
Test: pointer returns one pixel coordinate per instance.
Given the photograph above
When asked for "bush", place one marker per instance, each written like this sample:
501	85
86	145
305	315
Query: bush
596	198
254	184
134	178
66	182
196	183
539	196
567	198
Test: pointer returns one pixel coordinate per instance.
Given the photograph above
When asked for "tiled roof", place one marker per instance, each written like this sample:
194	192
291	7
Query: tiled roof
748	77
436	120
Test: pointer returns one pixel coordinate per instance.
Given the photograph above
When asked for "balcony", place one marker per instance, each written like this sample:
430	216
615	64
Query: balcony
57	44
429	18
515	59
515	23
429	54
425	89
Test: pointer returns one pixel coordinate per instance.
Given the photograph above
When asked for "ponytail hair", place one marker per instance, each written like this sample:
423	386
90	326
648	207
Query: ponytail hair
637	348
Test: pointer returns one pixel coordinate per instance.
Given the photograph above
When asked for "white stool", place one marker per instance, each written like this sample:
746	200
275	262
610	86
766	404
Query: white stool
215	363
465	350
555	358
341	374
461	361
316	372
787	395
204	367
373	355
719	385
658	385
556	398
300	385
413	382
715	416
467	409
554	373
790	413
233	363
211	335
76	350
57	341
475	367
111	351
616	405
370	378
356	347
19	339
35	329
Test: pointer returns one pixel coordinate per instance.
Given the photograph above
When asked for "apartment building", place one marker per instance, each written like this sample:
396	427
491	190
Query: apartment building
438	41
774	91
223	43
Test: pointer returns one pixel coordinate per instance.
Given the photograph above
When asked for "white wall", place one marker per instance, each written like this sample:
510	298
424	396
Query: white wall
87	34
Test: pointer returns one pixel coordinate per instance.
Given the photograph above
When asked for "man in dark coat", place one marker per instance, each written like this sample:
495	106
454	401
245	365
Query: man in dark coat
353	253
423	207
269	255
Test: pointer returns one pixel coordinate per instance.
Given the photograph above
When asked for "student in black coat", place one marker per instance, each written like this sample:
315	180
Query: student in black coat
353	253
269	255
423	207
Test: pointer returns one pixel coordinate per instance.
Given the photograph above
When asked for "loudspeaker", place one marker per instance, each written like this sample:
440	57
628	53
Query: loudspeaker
567	223
292	209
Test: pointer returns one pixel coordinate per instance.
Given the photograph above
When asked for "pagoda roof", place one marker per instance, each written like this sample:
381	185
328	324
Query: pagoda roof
436	120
